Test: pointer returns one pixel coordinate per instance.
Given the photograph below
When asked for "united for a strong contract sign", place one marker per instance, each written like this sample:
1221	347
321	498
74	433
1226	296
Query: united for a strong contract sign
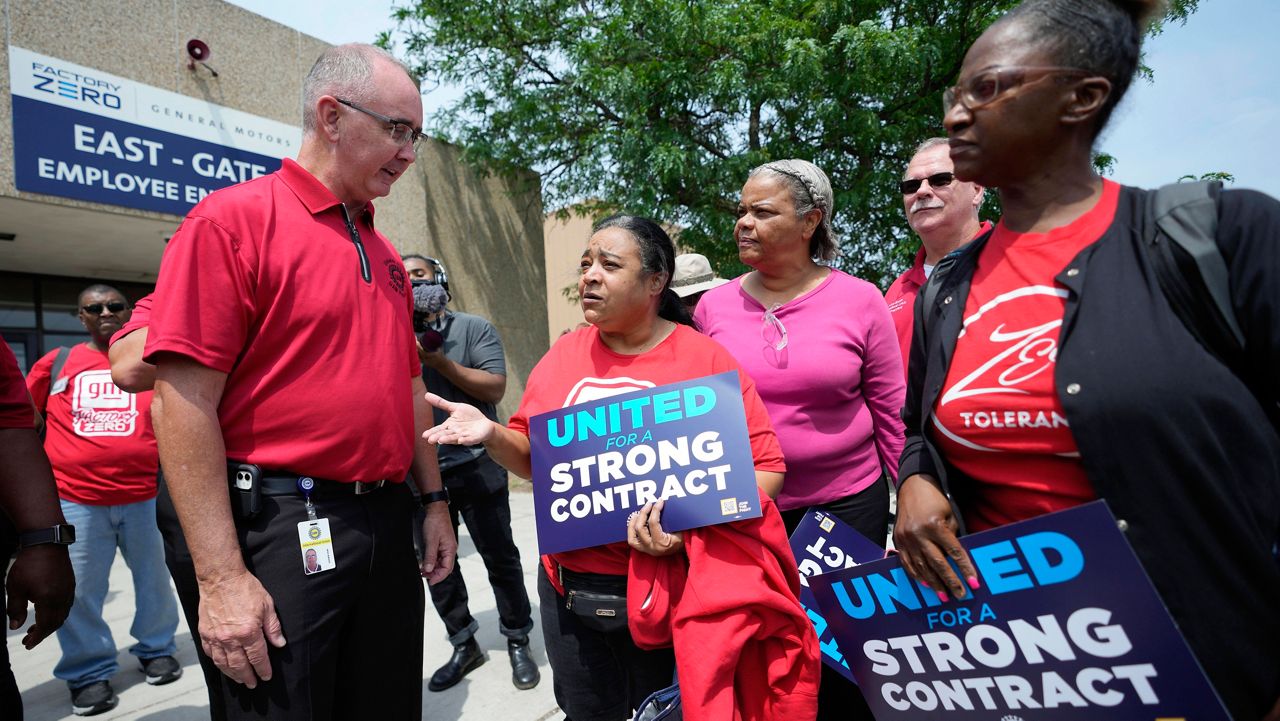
1066	625
596	463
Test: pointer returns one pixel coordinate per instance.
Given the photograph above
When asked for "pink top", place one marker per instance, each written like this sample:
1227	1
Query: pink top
833	392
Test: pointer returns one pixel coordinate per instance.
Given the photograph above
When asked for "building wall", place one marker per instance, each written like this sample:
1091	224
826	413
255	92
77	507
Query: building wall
487	230
565	239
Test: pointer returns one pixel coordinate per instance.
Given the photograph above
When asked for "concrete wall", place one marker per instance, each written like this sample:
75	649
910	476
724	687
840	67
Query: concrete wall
565	238
488	230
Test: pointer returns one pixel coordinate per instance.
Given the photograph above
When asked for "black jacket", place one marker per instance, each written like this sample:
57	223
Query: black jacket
1178	445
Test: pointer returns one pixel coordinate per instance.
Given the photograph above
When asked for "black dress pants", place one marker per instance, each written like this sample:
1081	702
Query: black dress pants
487	514
868	513
354	633
178	558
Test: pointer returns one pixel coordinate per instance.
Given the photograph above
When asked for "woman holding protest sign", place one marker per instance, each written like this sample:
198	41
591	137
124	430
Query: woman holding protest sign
743	645
1056	363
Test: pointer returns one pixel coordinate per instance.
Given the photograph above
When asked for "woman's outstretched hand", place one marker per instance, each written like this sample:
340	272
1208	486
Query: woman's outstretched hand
465	426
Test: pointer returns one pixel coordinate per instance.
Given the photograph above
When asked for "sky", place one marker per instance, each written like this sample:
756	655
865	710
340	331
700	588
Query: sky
1214	97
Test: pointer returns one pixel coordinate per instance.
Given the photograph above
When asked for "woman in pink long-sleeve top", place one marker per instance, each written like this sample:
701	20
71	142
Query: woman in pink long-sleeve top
821	348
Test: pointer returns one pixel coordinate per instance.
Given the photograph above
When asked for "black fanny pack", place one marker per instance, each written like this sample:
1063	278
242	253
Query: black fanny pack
599	600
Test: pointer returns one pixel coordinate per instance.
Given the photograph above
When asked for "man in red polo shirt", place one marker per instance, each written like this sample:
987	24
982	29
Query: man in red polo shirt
292	407
941	210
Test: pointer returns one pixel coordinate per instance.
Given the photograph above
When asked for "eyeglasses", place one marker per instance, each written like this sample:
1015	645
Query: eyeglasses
400	133
114	306
937	180
773	332
985	87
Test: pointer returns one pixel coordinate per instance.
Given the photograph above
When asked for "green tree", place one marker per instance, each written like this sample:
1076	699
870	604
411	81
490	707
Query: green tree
662	106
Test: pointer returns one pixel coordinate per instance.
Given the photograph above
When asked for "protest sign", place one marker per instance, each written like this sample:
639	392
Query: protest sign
823	543
1065	625
596	463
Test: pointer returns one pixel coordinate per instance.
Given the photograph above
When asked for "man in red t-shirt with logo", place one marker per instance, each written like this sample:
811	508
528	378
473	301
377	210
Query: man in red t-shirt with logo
292	412
941	210
103	452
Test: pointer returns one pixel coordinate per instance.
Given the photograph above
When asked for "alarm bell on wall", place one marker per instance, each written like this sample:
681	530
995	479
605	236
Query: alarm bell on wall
198	52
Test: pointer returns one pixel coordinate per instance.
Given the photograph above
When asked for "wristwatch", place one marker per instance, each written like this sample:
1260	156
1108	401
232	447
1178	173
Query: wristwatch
433	496
63	534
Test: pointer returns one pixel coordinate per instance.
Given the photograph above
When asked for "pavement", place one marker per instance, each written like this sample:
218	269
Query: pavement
486	693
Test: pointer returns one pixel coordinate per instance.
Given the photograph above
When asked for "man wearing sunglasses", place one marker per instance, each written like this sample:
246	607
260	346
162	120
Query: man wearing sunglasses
293	410
103	452
941	210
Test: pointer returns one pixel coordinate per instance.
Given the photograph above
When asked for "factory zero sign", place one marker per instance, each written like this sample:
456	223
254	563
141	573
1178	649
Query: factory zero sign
85	134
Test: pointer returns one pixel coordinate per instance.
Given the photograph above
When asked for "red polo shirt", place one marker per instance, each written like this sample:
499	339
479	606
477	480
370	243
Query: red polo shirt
15	404
901	298
263	282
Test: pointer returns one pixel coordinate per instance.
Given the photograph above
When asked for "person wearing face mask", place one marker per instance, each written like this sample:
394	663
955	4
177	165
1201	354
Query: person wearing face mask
1059	322
941	210
719	603
103	452
463	361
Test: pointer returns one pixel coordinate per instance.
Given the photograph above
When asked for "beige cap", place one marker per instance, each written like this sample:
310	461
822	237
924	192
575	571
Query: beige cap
694	275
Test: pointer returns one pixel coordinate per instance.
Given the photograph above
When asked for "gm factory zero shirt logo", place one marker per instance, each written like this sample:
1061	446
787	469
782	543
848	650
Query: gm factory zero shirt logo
85	134
100	408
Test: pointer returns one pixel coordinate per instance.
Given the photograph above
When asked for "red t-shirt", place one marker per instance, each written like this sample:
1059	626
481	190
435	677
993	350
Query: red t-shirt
98	437
263	282
999	418
140	318
580	368
15	404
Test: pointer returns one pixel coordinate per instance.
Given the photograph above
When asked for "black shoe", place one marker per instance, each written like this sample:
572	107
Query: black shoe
96	698
524	672
161	670
466	658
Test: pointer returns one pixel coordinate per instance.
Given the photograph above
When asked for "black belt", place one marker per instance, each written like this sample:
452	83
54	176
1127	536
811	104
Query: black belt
283	483
275	485
606	582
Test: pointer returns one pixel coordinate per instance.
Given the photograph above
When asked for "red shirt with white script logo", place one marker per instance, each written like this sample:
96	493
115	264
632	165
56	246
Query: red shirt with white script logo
999	419
98	437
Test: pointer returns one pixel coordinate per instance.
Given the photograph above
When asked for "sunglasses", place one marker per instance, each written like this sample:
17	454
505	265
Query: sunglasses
114	306
937	180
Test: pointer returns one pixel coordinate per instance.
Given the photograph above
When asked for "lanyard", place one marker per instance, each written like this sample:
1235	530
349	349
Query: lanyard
305	486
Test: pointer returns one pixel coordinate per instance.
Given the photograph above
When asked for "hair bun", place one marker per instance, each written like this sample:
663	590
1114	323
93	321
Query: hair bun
1142	11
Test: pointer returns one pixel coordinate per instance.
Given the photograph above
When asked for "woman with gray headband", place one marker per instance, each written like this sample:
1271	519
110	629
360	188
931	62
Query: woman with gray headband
821	348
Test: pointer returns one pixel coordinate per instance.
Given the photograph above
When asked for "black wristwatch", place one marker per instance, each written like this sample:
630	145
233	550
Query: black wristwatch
433	496
63	534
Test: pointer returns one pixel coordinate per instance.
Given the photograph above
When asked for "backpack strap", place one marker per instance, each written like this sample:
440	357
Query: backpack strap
58	362
1180	241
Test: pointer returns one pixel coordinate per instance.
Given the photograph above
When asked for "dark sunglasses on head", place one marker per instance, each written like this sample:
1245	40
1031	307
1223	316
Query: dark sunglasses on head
114	306
937	180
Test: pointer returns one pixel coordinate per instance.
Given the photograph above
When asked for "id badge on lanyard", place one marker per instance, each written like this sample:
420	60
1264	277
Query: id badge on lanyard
314	538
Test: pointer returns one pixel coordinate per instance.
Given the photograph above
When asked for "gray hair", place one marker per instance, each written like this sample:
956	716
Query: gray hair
344	71
928	144
810	190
